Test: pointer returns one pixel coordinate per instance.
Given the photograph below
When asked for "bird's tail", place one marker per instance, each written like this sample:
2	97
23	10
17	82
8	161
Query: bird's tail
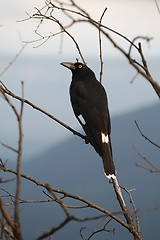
109	168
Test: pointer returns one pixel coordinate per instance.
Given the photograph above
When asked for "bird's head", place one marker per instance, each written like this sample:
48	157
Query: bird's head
78	69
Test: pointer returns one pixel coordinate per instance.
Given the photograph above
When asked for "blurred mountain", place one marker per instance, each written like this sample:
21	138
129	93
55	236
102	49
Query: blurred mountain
76	168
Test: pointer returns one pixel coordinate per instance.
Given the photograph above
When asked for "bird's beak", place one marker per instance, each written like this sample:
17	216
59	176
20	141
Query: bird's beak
68	65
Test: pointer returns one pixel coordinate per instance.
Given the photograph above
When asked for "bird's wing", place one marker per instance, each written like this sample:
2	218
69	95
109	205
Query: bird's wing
90	106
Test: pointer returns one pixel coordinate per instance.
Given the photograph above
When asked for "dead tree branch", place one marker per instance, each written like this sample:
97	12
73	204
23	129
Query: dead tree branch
9	147
152	168
77	15
8	92
123	206
145	137
17	232
100	46
158	8
12	61
69	217
17	225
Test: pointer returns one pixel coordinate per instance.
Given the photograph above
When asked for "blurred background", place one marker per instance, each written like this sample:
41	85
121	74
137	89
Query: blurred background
46	84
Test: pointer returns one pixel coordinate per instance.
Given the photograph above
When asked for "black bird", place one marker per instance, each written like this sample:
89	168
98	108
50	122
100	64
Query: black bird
90	106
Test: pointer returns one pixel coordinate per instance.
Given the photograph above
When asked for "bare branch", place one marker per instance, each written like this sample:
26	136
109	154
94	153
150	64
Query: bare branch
6	216
17	228
9	147
54	229
148	168
13	60
133	78
58	200
99	230
5	231
68	195
147	39
8	92
127	214
73	11
158	8
152	167
17	231
100	46
145	137
40	15
134	207
150	79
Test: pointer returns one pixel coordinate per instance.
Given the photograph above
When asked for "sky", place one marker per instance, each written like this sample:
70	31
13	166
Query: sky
129	17
39	67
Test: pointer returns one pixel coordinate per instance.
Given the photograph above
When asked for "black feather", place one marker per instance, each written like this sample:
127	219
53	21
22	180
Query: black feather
89	100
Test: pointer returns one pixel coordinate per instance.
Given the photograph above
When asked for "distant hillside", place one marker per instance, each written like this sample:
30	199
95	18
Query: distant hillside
75	167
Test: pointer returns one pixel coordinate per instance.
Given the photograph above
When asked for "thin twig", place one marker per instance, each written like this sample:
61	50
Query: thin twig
39	14
13	60
8	92
158	8
134	208
22	201
18	230
148	39
134	77
6	231
59	201
72	196
145	137
121	201
153	167
54	229
85	17
103	229
114	216
100	46
9	147
147	168
154	84
6	215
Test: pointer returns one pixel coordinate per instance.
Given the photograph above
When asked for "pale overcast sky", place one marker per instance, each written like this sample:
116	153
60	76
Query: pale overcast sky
130	17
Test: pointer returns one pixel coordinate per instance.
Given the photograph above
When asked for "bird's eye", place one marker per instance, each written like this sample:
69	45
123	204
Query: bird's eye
80	66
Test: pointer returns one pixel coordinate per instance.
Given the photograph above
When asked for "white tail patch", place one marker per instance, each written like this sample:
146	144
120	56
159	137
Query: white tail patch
110	176
81	119
105	139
